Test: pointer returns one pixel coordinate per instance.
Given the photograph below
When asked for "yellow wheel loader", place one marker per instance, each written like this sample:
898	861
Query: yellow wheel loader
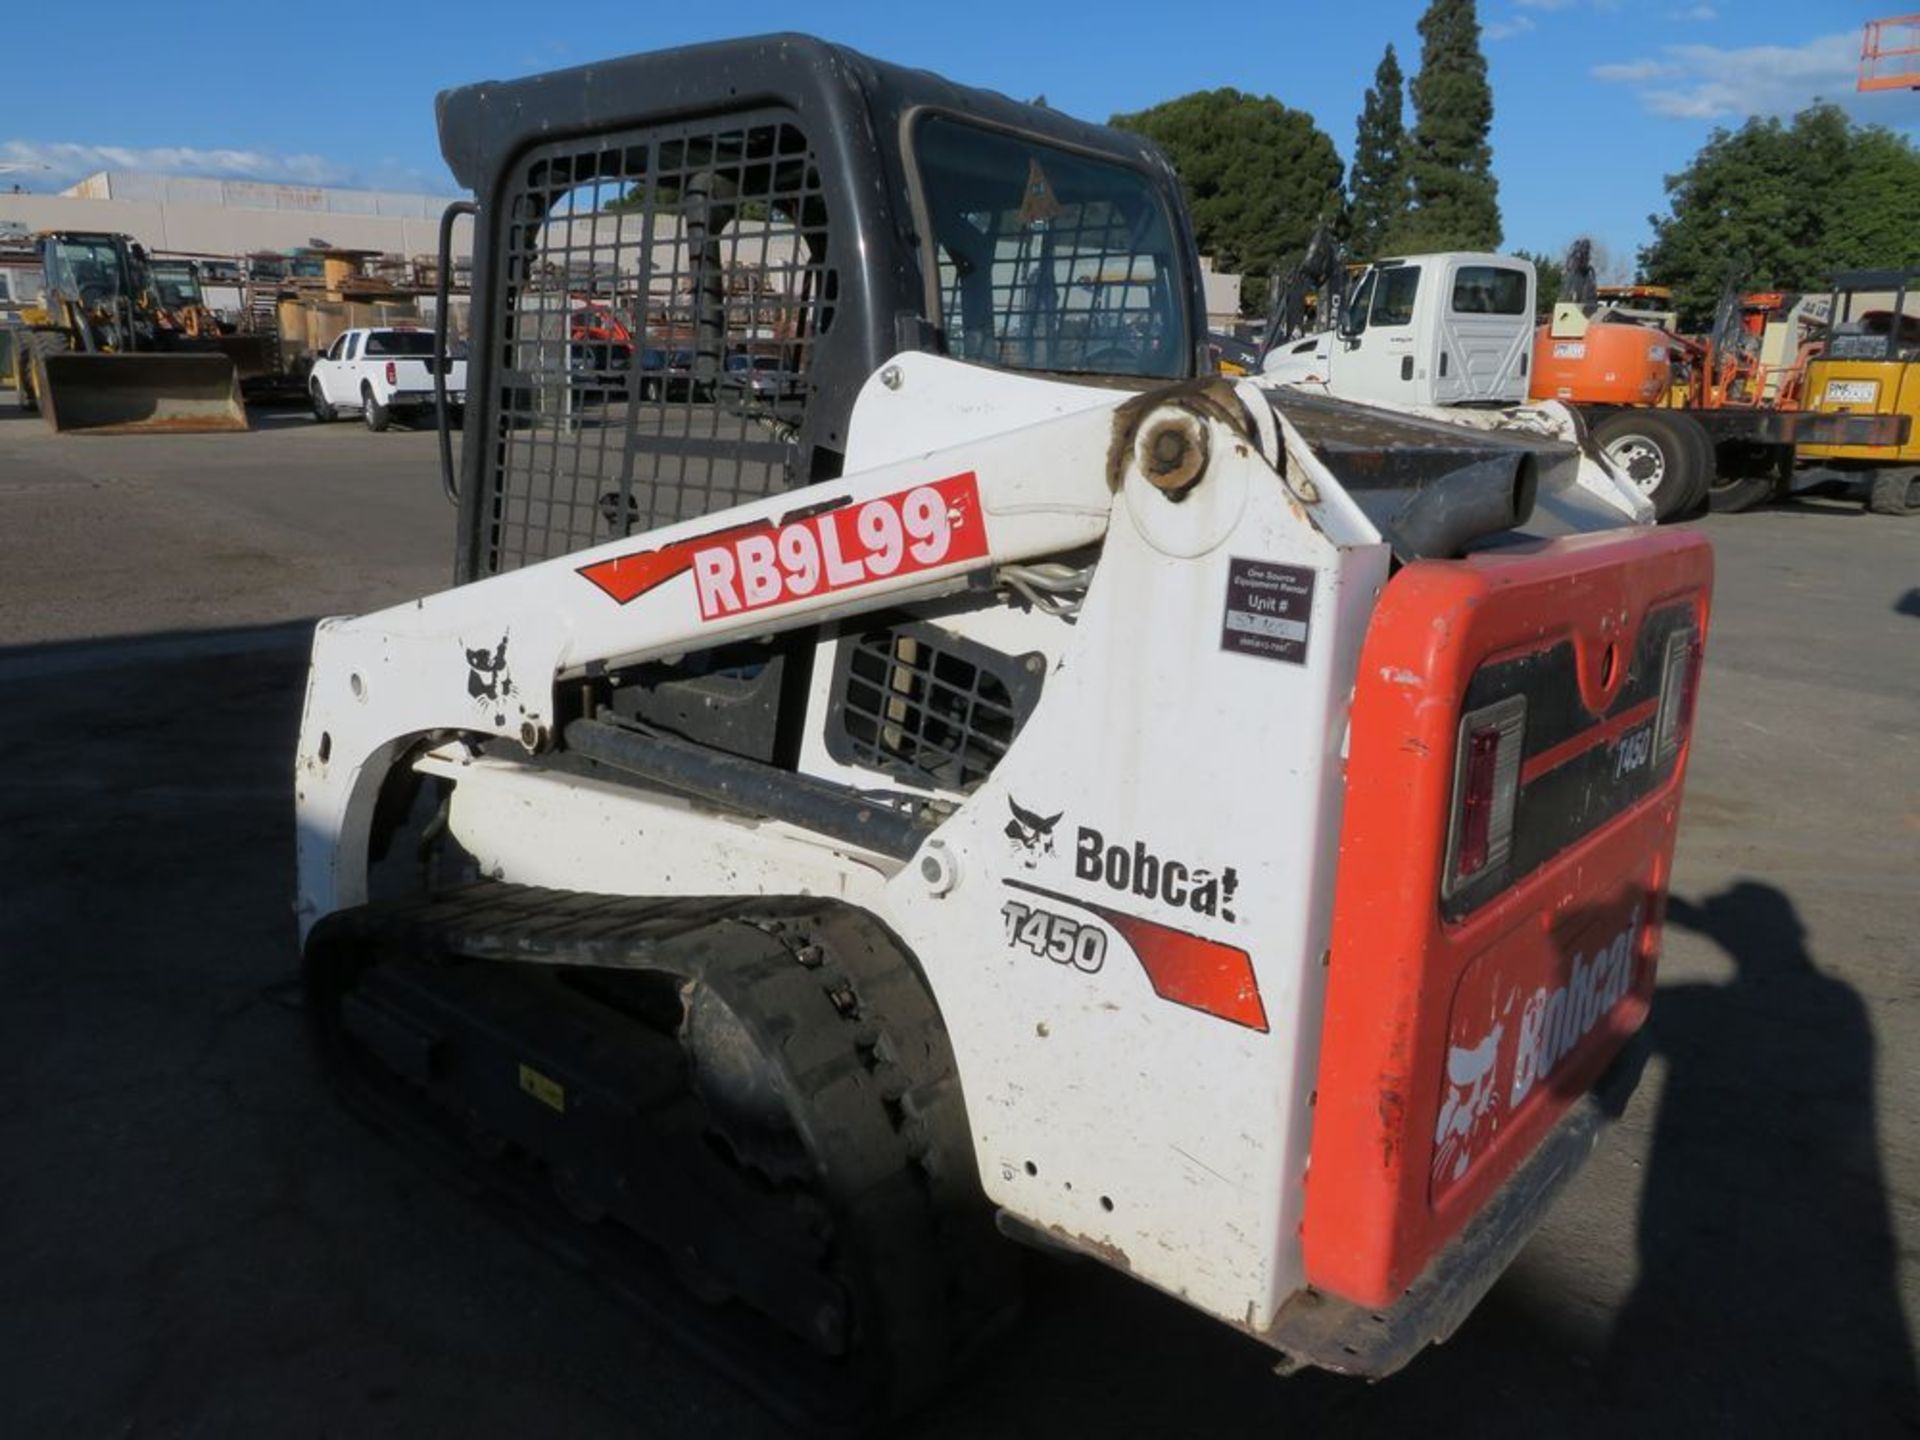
102	355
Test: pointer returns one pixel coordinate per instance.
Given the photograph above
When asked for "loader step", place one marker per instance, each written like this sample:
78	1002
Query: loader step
742	1115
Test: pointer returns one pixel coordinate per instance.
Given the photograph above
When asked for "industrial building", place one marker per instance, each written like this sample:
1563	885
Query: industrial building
193	215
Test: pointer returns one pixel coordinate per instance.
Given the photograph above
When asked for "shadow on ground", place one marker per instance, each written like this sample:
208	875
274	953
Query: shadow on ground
198	1242
1765	1212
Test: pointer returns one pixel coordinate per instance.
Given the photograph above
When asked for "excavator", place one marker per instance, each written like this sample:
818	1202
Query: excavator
1044	798
1868	364
102	353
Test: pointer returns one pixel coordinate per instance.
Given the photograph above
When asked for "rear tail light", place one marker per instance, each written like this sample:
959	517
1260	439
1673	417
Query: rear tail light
1486	783
1679	688
393	373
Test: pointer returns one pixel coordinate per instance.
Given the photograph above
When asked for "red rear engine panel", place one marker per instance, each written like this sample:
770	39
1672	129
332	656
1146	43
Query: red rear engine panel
1485	971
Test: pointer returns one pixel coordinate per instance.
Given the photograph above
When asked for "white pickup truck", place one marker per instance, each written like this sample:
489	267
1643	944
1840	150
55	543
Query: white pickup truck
379	373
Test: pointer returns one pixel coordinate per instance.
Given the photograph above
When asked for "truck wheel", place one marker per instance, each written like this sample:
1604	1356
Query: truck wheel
322	411
377	416
1747	477
1896	490
1708	455
1660	454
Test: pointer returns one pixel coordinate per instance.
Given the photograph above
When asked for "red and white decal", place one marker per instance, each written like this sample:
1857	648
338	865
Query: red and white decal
1516	1018
752	567
1206	975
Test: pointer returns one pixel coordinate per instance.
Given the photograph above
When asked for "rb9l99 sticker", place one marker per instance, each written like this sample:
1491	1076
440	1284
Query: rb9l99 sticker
899	534
809	552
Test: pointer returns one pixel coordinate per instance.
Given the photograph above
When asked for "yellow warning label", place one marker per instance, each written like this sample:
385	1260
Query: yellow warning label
543	1088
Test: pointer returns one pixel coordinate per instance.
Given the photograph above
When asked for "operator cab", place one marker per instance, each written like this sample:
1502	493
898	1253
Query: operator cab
808	203
1875	315
176	284
96	269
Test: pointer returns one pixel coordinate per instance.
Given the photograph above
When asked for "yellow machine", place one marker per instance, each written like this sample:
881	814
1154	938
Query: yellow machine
103	354
1871	366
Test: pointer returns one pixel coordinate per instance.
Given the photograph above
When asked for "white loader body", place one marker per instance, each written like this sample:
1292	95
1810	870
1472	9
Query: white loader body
1010	784
1166	801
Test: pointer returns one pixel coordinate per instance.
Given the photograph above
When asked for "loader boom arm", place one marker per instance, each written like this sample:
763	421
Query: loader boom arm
485	658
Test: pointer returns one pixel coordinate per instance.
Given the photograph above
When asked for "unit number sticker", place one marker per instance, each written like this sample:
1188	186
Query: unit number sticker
1051	936
1269	609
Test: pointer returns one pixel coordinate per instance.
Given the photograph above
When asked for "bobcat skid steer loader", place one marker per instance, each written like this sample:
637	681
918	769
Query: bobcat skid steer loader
1009	785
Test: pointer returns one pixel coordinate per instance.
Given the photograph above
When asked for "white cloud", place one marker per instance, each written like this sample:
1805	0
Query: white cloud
1635	72
1550	6
1709	82
1507	29
1694	12
65	161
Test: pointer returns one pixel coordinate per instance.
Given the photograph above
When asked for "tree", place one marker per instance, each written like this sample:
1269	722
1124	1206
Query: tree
1456	201
1258	176
1549	271
1870	219
1780	205
1378	198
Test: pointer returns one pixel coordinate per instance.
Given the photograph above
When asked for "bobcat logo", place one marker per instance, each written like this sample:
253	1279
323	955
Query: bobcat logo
1471	1095
1032	834
487	679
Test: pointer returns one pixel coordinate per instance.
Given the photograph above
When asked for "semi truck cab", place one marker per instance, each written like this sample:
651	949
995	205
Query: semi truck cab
1443	329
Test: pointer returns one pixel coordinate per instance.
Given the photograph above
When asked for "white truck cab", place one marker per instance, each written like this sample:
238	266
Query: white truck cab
1447	329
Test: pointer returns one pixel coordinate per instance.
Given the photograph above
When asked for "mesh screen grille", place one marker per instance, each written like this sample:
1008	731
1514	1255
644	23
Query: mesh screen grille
662	290
924	704
1097	296
1049	260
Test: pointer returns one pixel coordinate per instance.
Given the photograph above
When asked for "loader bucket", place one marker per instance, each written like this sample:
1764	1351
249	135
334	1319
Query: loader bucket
136	394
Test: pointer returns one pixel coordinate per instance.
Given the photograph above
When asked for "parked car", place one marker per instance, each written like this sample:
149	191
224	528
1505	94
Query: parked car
599	352
667	374
759	377
380	373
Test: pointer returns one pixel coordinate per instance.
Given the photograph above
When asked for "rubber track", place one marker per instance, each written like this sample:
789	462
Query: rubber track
836	1007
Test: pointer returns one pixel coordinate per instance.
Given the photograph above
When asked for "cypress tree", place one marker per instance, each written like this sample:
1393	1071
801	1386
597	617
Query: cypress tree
1456	202
1378	190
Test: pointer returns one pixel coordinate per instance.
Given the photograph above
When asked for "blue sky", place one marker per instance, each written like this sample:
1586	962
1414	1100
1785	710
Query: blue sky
1594	100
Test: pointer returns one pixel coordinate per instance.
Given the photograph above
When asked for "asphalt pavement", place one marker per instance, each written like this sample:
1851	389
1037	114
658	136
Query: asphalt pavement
195	1241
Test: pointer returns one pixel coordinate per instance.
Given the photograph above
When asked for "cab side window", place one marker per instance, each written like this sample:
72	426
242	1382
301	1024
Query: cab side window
353	345
338	348
1489	290
1393	298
